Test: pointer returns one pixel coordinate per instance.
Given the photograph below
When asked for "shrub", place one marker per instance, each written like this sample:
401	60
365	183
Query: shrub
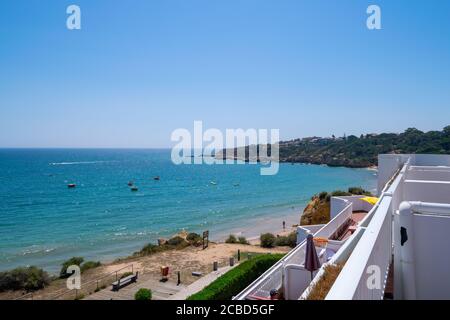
323	195
90	265
289	240
292	239
231	239
29	278
267	240
126	274
143	294
175	241
193	237
359	191
237	279
340	193
243	240
72	261
150	249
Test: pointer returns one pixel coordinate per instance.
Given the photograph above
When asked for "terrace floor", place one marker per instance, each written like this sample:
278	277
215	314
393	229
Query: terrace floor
347	230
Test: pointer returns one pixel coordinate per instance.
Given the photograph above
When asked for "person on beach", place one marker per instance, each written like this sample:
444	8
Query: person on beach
284	225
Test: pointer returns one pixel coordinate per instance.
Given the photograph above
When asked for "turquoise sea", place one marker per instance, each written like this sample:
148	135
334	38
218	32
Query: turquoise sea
43	222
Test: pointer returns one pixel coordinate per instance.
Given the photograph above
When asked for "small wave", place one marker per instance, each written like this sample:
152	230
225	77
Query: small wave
37	251
77	162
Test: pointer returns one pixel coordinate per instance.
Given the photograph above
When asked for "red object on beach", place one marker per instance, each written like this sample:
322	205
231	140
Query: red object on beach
165	271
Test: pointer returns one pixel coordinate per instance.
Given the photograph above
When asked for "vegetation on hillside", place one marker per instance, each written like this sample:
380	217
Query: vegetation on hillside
77	261
352	151
362	151
24	278
318	209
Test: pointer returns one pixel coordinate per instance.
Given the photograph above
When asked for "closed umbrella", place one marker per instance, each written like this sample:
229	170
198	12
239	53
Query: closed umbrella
312	262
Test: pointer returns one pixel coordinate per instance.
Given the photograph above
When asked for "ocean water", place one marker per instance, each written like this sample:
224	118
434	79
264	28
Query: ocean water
43	222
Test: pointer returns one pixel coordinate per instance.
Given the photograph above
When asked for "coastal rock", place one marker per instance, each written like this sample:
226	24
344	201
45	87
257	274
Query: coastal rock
316	212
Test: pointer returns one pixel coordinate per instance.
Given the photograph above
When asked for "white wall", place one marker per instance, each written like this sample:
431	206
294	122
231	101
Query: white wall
427	191
303	231
425	258
337	204
431	248
417	173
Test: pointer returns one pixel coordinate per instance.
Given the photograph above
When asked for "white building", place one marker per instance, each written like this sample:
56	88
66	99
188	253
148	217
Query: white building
399	248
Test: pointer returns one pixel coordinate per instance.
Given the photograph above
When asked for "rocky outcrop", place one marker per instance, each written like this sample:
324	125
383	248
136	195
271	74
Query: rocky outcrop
316	212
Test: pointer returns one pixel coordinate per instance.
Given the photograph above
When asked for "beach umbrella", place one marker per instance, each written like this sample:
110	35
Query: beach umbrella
371	200
312	262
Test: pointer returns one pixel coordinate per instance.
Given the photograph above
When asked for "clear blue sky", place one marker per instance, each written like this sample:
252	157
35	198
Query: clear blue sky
139	69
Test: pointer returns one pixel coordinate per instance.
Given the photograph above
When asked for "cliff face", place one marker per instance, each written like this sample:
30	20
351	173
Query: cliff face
318	209
316	212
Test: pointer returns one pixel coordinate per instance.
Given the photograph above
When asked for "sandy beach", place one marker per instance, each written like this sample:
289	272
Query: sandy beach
186	261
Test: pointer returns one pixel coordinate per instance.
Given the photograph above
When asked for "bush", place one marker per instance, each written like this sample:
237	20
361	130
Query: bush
340	193
90	265
143	294
292	239
126	274
267	240
175	241
29	278
243	240
289	240
323	195
231	239
237	279
149	249
194	237
72	261
359	191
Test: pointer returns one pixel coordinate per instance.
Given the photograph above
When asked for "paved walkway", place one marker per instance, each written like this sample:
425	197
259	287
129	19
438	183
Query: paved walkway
160	291
198	285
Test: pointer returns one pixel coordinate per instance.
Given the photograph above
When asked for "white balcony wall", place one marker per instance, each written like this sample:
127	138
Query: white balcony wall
303	231
428	174
373	249
337	204
427	191
425	261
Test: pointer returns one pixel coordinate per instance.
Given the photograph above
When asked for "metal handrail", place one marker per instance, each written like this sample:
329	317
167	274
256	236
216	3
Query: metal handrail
94	281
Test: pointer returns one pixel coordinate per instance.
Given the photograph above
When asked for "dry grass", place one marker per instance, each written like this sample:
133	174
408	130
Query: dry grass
321	288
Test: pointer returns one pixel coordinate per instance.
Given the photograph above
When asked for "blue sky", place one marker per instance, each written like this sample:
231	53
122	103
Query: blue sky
137	70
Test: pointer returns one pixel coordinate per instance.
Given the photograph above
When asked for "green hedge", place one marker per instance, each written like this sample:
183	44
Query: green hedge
237	279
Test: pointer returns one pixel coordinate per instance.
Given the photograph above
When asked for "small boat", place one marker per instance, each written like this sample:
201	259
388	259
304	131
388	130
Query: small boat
130	183
213	183
134	188
71	185
157	178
